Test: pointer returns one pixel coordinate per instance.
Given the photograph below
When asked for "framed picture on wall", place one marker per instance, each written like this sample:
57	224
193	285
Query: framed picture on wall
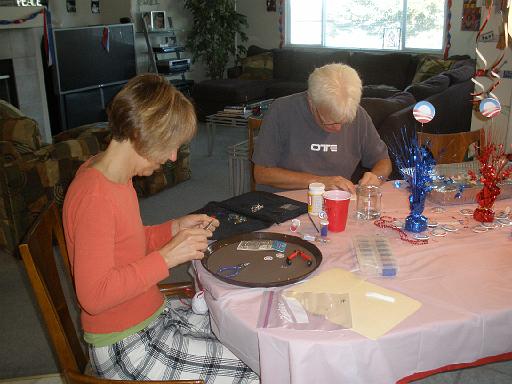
158	19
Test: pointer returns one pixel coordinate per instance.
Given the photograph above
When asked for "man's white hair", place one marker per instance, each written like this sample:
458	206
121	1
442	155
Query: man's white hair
336	88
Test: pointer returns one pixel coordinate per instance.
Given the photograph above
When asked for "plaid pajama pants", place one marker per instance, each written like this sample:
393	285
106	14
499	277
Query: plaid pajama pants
178	345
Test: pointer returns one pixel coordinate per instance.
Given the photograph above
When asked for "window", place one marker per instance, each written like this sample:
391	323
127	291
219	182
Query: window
367	24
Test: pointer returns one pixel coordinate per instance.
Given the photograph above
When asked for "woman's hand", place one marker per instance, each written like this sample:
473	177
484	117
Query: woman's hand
195	221
188	244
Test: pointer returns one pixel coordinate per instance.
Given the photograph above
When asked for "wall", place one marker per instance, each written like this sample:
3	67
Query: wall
110	12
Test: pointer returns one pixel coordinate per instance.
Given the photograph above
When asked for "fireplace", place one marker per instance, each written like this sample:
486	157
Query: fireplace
21	55
7	84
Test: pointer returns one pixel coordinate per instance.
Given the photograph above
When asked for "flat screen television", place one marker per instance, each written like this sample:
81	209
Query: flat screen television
83	61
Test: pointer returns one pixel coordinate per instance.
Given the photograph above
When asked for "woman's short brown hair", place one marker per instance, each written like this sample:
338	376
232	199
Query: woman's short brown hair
153	115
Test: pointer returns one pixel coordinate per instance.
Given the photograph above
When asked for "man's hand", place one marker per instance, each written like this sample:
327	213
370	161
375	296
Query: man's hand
194	221
370	178
188	244
337	182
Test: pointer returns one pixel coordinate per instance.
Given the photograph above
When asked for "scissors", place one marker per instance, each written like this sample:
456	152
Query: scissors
232	270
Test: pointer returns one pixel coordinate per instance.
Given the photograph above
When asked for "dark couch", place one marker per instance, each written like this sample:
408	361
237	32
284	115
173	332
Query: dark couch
392	84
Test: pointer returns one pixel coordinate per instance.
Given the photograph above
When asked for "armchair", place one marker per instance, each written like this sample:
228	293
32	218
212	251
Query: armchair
33	173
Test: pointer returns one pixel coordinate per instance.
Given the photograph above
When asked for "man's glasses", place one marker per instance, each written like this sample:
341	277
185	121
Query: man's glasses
321	120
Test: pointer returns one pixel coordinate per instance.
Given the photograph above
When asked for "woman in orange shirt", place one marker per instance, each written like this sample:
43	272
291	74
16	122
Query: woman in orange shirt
132	331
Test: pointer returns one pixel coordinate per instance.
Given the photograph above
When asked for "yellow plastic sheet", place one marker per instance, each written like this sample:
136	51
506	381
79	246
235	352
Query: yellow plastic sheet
373	310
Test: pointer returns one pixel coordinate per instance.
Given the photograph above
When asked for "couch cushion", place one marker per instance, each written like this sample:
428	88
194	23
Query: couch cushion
431	66
389	69
284	88
258	67
22	131
459	74
429	87
379	109
380	91
230	91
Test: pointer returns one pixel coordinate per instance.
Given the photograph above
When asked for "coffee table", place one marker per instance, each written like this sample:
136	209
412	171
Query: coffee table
223	119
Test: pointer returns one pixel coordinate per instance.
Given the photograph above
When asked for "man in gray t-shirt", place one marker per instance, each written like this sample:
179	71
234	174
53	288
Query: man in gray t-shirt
320	136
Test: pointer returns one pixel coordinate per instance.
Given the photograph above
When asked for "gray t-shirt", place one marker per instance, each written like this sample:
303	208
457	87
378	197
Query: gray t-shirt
290	138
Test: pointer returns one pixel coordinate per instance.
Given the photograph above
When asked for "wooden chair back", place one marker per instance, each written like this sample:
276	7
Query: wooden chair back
452	147
38	254
253	127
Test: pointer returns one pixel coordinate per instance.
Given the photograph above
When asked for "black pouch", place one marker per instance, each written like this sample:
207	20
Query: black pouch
251	211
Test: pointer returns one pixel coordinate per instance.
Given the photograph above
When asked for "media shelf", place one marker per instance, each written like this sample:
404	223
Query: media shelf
165	57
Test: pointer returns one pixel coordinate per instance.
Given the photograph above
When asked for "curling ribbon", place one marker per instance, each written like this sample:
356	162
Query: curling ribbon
281	26
448	28
492	72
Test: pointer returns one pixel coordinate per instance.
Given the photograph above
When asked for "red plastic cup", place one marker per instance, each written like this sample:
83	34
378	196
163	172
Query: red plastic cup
336	205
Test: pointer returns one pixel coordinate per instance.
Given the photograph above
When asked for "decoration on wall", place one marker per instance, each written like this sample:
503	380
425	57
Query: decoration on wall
29	3
416	164
71	6
105	39
271	5
157	19
281	25
95	6
21	20
448	43
470	16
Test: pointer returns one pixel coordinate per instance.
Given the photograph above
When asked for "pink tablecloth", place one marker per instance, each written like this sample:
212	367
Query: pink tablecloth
463	280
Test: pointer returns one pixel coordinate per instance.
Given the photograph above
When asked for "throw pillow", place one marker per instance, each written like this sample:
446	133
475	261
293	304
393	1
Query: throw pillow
460	74
429	87
258	67
429	67
380	109
21	130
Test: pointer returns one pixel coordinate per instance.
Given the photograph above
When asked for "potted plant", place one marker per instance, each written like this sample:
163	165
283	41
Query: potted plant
213	38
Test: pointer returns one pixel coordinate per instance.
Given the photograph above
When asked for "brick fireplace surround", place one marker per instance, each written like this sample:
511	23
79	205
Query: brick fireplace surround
21	44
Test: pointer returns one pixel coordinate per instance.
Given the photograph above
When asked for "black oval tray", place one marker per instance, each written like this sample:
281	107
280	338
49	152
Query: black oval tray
260	272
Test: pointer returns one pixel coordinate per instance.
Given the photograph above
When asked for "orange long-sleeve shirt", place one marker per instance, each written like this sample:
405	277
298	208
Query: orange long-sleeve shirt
114	258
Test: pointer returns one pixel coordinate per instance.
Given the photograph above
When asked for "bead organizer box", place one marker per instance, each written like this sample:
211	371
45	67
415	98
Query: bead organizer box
375	256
